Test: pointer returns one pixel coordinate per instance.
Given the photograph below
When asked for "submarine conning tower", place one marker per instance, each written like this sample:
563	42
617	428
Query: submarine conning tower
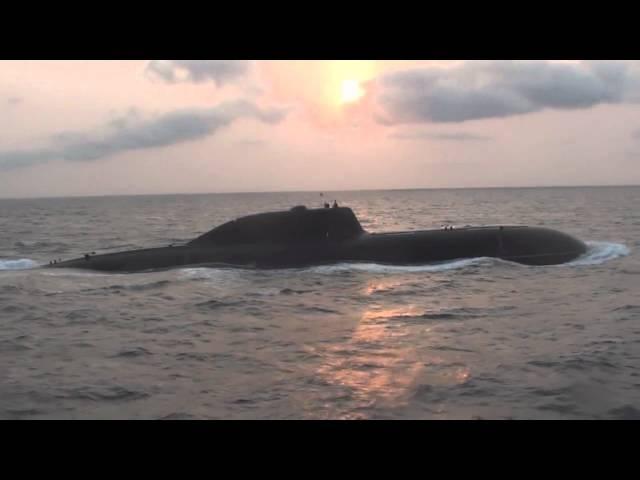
295	225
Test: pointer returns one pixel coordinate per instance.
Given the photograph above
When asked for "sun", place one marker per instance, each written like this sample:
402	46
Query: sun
351	91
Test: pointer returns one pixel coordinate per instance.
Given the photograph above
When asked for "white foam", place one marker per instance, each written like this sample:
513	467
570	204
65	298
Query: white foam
600	252
18	264
209	273
197	273
379	268
597	253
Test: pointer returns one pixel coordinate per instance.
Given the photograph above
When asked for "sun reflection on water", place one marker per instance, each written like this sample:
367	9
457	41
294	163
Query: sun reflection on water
380	362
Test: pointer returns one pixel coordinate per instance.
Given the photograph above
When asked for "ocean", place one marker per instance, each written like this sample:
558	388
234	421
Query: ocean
467	339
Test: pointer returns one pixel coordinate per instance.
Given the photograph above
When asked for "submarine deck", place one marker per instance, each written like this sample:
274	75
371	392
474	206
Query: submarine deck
456	229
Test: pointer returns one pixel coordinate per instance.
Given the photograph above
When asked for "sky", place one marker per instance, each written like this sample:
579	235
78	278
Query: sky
72	128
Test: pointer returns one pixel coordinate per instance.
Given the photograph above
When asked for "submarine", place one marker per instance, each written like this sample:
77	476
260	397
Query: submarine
304	236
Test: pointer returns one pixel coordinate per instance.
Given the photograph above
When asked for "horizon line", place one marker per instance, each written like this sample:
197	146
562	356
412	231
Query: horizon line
240	192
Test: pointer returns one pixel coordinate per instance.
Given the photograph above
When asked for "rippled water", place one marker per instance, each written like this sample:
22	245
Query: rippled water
475	338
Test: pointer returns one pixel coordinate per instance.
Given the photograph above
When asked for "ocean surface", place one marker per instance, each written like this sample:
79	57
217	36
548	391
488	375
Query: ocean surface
467	339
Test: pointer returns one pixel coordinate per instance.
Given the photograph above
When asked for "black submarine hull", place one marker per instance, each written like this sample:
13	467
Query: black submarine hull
524	245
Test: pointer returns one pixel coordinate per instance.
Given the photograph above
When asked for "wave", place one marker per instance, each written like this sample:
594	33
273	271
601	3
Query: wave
381	268
212	272
18	264
598	253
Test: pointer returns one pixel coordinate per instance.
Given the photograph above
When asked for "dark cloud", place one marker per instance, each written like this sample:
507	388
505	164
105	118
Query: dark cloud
132	133
452	137
636	134
492	89
14	100
197	71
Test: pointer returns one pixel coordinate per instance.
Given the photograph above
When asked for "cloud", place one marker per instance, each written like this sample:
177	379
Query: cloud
249	142
131	132
494	89
198	71
453	137
636	134
14	100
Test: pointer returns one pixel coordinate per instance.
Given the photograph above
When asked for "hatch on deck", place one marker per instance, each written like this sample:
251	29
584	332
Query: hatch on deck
296	225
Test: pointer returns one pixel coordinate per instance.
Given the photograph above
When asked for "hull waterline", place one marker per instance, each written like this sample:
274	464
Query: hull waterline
525	245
